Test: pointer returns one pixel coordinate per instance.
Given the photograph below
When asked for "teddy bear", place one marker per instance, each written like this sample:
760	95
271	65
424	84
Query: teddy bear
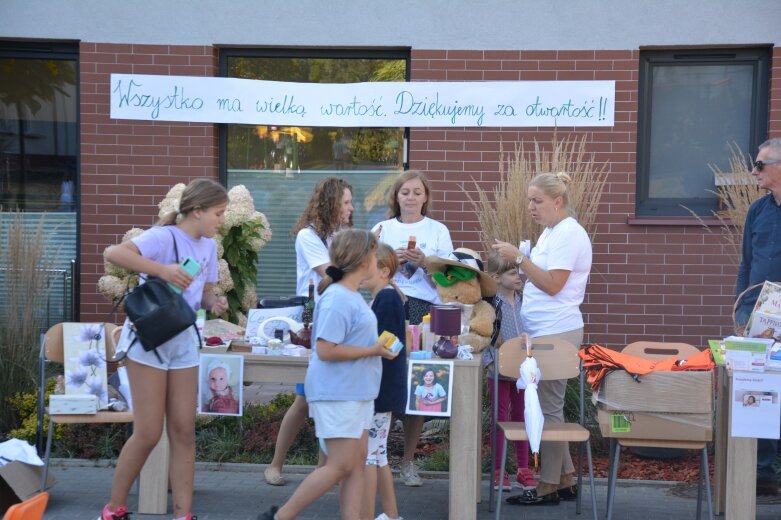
460	280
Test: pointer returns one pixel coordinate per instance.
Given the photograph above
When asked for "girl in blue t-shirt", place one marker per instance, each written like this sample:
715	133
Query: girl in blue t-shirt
343	377
388	306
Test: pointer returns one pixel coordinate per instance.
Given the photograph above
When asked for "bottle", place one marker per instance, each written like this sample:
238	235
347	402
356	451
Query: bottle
309	307
426	342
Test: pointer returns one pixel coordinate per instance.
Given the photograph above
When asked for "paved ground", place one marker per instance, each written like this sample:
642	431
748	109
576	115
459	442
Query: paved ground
237	492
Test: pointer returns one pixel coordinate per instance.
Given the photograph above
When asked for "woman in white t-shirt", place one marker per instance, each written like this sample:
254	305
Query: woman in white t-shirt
413	236
330	208
556	272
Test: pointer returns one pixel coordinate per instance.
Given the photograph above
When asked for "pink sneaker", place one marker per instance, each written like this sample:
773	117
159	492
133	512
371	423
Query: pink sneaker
506	486
525	479
120	513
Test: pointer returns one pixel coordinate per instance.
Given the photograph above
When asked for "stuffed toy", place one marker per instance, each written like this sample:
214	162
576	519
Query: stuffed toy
460	280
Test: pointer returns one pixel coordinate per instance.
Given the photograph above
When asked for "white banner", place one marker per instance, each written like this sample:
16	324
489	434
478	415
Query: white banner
378	104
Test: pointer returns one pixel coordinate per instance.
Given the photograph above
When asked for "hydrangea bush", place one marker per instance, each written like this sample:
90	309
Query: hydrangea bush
239	241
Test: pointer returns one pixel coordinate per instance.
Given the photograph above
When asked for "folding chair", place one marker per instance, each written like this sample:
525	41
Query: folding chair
658	350
52	350
556	359
31	509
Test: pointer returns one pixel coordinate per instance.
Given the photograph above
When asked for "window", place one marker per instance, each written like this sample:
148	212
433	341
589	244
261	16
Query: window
693	105
281	165
39	145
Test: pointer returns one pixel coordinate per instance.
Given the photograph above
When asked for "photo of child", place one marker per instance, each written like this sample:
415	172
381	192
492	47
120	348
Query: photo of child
750	400
220	384
430	385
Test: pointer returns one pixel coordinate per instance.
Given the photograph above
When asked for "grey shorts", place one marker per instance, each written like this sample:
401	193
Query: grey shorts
179	352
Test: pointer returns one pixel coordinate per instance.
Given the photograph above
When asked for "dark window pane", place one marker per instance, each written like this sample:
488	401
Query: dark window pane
693	108
38	134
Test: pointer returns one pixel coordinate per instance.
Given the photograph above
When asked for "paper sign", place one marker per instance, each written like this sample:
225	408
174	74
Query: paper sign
375	104
756	409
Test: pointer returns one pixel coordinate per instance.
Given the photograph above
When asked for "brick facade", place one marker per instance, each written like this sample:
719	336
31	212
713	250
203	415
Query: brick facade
663	282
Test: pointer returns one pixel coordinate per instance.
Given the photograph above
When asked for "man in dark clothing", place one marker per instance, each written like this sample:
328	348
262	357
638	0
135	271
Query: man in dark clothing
761	261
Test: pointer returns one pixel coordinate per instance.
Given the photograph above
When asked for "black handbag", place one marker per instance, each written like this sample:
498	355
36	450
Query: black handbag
157	313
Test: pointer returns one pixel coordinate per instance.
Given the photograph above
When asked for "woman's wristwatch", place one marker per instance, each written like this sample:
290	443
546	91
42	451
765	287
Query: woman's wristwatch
519	260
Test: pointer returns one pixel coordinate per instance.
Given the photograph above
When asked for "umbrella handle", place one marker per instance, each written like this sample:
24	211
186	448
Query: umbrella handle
536	462
527	340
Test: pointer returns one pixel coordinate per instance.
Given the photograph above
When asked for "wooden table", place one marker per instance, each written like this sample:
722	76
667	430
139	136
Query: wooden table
465	435
736	460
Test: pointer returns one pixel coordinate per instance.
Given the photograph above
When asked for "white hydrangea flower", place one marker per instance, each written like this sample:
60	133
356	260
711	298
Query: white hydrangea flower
241	195
171	201
250	299
111	287
225	281
220	248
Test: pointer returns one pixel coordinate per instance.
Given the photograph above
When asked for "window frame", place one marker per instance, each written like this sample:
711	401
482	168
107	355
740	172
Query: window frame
269	52
758	57
59	50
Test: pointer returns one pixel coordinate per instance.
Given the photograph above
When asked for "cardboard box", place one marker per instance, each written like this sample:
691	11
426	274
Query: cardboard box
670	426
669	392
64	404
20	481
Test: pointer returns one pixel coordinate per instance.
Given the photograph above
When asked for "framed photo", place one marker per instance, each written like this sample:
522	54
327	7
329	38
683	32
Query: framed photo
429	387
220	384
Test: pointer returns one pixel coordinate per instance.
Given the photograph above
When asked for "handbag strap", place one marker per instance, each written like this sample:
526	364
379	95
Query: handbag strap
176	249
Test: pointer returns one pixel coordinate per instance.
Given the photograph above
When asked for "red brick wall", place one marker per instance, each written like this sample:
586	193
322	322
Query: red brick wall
127	167
672	283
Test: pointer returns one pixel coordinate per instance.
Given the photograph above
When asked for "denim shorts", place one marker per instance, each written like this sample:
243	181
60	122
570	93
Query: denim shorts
179	352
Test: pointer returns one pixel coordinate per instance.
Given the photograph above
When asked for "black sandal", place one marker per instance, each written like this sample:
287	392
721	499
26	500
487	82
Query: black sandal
568	493
530	498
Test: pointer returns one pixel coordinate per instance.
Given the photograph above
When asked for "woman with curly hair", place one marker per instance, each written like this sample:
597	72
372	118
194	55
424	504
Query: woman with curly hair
330	208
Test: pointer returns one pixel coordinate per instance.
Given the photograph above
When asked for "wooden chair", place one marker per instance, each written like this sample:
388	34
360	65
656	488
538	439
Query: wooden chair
31	509
658	350
53	351
556	359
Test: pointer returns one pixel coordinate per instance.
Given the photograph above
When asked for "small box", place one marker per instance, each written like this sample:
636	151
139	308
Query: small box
73	404
651	426
19	481
686	391
390	341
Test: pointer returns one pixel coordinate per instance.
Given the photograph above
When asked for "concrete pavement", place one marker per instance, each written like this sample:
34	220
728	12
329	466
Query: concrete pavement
238	492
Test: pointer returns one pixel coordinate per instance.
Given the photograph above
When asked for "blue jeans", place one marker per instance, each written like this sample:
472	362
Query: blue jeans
766	456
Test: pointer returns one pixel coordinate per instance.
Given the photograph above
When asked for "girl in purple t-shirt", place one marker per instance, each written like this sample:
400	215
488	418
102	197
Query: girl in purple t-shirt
166	388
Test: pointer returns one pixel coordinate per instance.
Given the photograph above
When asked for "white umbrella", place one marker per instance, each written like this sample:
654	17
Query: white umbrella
532	414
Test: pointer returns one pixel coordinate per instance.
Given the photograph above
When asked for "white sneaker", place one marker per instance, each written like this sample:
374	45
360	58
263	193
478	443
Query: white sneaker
386	517
409	474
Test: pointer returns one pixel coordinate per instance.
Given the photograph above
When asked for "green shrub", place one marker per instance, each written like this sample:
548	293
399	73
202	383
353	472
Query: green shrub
25	406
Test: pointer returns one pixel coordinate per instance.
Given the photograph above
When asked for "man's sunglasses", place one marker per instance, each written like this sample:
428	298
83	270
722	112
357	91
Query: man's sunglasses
761	164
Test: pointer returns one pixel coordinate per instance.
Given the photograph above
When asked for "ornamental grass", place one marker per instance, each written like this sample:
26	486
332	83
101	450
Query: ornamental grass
503	211
736	191
22	318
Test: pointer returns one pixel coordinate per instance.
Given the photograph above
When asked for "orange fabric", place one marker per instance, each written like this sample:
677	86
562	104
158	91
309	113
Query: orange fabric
598	361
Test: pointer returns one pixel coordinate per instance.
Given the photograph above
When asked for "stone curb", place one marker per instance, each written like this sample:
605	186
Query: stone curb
238	467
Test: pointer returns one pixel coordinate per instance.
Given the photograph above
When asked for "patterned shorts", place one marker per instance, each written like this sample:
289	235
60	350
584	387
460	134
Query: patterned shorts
378	440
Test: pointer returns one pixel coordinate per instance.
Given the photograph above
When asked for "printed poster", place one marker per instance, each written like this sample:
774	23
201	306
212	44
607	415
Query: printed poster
756	409
84	360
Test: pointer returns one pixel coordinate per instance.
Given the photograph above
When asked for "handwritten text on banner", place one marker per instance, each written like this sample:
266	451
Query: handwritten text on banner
381	104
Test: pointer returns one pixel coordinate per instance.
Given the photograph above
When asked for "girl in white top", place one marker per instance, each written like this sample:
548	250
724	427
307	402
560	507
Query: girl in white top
330	208
408	204
556	275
